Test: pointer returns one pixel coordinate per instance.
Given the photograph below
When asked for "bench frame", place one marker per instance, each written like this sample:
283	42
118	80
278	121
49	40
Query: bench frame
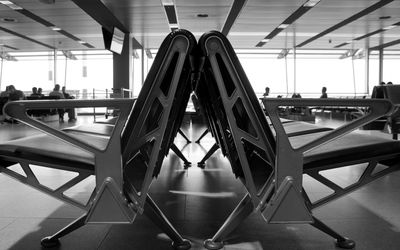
282	198
115	199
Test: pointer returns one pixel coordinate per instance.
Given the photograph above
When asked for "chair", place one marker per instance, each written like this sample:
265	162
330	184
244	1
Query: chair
272	166
125	163
392	93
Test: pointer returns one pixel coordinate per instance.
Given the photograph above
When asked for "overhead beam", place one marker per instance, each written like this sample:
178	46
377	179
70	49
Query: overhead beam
99	12
303	9
26	38
236	8
385	45
354	17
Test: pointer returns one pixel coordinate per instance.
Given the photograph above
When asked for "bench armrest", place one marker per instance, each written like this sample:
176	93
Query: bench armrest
377	107
18	111
289	160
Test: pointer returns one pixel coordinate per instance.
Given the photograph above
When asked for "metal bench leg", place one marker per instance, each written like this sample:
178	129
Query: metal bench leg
153	212
241	212
202	163
176	150
184	136
53	240
341	241
202	135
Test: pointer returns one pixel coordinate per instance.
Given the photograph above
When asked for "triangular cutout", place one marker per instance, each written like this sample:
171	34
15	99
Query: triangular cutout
17	169
109	206
345	176
288	206
378	169
315	189
51	177
82	191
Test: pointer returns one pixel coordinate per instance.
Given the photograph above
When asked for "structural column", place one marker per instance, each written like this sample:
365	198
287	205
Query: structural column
122	66
380	65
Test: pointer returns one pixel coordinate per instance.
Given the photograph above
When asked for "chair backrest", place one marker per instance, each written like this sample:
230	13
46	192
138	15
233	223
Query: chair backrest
157	113
236	114
3	101
377	92
392	93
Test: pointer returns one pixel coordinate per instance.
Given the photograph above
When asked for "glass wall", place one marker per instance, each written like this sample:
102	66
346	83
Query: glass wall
306	73
87	71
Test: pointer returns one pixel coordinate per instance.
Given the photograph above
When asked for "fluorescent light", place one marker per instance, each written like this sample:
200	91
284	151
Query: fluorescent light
167	2
11	5
311	3
55	28
135	54
389	27
265	40
283	26
283	53
148	53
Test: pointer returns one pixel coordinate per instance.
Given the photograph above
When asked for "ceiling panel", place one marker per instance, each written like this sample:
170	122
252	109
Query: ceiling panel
147	22
188	10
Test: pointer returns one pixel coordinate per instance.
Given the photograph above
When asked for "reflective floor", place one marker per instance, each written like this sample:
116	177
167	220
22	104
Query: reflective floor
197	202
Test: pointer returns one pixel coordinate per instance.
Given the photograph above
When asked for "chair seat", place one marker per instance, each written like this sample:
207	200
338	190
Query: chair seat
297	128
95	129
355	146
48	146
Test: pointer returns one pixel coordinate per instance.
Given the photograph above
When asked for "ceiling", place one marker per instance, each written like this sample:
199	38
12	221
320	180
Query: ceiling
330	24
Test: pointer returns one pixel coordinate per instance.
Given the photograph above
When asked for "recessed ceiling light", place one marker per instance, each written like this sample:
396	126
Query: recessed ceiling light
202	15
55	28
265	40
389	27
311	3
385	17
11	5
283	26
167	2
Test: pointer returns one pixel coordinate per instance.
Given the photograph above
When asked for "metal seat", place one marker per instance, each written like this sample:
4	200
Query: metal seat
269	164
123	163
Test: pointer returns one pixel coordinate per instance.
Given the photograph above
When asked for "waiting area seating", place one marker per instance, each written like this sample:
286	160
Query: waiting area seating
271	164
390	123
125	163
267	154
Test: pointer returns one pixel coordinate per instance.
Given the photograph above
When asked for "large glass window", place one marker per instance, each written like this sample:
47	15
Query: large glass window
87	71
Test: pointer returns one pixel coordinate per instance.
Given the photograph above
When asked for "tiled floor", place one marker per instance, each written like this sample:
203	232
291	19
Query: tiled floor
197	202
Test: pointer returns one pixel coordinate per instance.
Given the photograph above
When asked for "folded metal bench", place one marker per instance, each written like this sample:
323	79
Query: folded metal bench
272	166
392	93
124	163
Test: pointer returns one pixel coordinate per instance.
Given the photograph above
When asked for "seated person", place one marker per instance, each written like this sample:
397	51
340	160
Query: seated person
266	92
71	112
15	94
35	93
5	93
296	95
324	94
39	91
56	93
